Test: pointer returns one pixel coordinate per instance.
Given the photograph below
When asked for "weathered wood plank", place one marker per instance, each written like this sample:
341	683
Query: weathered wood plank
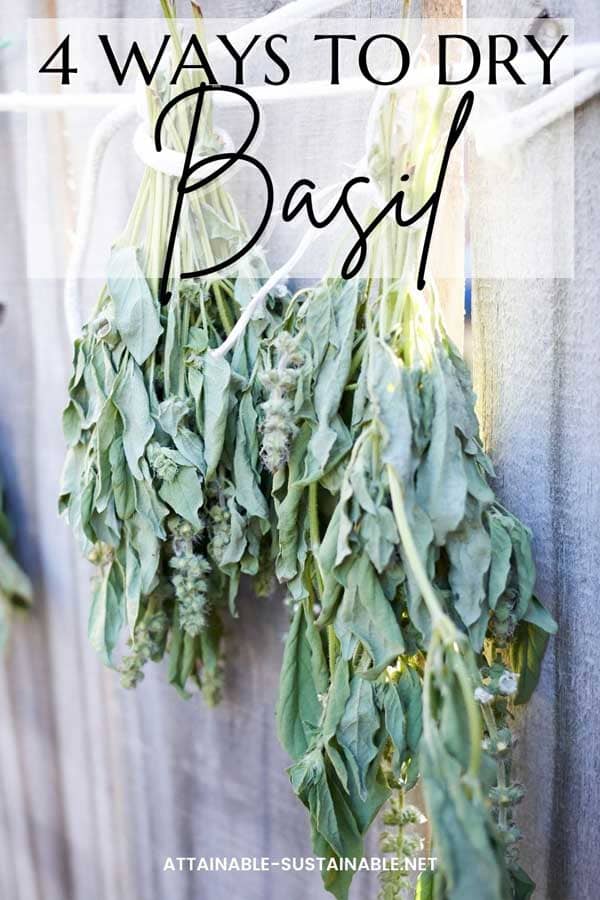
537	369
98	786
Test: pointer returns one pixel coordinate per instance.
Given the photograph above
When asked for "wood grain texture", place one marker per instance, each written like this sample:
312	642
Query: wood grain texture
98	786
443	9
537	369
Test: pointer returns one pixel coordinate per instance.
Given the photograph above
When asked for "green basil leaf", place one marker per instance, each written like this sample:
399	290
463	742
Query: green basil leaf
136	311
387	392
245	460
184	495
501	547
173	367
107	613
380	536
122	482
237	544
70	481
365	614
410	691
131	399
461	827
171	414
336	879
357	728
365	805
395	723
521	537
522	885
425	886
337	761
527	652
289	511
210	640
133	585
14	584
106	432
148	550
182	658
217	378
318	319
298	708
441	477
191	448
538	615
337	698
469	552
72	422
331	815
333	373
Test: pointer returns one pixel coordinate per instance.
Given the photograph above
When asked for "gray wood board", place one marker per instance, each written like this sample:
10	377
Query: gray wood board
98	786
537	371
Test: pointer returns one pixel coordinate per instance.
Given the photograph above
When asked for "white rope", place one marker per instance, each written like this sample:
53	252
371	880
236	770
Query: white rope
170	162
495	135
20	101
515	128
298	10
100	140
248	312
490	139
280	275
571	60
289	14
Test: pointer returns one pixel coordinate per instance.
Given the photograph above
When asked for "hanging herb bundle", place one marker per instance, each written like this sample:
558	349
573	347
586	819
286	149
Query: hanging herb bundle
162	482
414	623
15	587
414	626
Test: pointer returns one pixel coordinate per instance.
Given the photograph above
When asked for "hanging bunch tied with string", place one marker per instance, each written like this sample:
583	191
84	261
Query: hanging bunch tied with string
345	418
415	626
15	587
162	481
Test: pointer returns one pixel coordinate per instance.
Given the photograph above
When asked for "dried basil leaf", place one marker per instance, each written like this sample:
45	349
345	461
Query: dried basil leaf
136	311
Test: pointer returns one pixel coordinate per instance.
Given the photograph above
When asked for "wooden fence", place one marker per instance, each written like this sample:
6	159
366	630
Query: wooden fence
98	786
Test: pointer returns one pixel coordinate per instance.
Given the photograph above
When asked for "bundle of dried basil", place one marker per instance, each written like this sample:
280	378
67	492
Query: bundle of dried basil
15	587
412	587
162	481
414	622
